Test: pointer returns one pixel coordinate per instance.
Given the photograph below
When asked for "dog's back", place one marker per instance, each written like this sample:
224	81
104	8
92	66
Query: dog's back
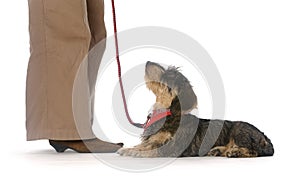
228	138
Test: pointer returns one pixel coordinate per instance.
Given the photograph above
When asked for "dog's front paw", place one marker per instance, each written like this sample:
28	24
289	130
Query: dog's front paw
125	151
136	152
130	152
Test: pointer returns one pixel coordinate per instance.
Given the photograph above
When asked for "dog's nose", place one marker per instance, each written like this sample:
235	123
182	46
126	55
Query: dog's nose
148	63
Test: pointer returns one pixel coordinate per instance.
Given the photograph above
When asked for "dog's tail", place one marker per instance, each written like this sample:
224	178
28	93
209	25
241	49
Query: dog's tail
267	148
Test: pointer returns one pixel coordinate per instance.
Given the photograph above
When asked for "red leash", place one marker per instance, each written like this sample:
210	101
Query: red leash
119	67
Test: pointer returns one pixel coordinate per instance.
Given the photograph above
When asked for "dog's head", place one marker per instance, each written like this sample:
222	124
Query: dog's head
169	85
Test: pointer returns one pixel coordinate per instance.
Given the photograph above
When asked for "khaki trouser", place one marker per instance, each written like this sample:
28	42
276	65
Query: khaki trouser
61	34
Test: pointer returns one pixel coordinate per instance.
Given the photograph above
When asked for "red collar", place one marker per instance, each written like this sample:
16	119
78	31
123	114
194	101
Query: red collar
156	116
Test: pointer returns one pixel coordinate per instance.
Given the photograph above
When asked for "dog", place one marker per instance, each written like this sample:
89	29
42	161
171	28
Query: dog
171	131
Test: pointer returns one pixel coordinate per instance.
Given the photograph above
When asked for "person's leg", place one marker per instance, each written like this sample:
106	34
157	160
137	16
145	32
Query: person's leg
60	39
97	45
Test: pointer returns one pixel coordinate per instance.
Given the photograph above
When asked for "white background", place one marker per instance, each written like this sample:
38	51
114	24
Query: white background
255	45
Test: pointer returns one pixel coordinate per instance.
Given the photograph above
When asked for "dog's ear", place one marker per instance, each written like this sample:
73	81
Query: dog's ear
187	98
154	71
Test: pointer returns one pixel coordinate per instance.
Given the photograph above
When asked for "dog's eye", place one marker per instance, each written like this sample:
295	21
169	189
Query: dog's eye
169	90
